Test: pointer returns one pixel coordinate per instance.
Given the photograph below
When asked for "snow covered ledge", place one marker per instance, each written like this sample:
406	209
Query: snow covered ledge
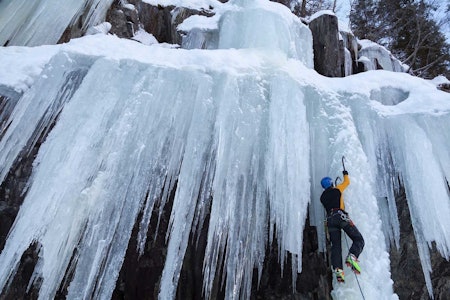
374	57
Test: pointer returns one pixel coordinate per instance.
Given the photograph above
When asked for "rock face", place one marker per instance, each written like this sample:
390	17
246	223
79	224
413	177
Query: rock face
406	268
328	49
339	53
139	278
124	20
444	87
313	283
159	21
13	189
12	194
351	47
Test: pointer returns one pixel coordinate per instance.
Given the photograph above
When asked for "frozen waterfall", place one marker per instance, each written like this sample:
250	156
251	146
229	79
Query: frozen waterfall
243	132
25	23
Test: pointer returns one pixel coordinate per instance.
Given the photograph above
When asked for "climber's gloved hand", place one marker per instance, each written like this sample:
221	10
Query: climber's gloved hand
345	172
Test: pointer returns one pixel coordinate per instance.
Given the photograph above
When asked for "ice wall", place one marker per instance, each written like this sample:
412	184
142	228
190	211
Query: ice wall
333	135
428	196
40	22
244	132
401	131
124	133
126	129
266	25
60	80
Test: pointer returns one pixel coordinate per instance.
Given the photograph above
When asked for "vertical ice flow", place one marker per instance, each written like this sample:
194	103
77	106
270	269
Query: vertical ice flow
266	25
408	150
428	196
36	111
248	121
333	135
43	21
377	145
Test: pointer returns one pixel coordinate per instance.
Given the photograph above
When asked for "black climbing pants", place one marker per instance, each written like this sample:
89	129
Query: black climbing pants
336	221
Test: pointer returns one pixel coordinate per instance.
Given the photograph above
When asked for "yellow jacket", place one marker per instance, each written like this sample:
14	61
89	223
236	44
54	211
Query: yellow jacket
341	187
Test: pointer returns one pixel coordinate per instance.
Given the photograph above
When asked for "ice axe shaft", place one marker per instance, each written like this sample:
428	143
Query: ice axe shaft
339	178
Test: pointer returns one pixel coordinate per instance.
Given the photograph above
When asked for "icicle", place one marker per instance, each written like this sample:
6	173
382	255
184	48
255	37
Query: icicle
263	26
44	22
35	112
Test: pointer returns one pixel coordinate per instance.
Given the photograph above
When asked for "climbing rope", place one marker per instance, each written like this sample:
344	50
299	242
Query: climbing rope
360	289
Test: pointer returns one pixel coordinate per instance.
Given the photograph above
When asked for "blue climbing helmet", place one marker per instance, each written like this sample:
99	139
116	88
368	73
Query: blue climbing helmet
326	182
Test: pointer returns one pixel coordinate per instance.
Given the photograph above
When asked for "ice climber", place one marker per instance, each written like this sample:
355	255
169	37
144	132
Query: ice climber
337	218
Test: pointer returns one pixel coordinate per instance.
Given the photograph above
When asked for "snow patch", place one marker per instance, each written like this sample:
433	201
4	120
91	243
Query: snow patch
144	37
319	14
195	4
102	28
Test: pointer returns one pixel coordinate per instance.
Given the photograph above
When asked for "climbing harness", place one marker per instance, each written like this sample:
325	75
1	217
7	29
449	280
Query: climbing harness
344	216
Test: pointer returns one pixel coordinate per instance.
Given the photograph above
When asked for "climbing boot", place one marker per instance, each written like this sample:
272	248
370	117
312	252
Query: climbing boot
339	275
352	262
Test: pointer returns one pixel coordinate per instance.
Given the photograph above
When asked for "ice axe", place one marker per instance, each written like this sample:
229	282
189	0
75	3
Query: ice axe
343	166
